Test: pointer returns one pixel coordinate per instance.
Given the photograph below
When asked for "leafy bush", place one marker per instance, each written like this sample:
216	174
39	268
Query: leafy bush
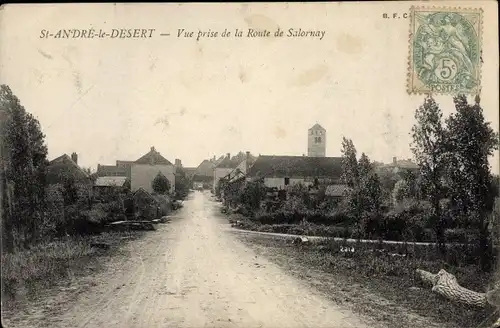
160	184
294	204
252	196
406	221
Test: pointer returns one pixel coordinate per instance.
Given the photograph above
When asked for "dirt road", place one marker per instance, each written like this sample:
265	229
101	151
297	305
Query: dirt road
193	273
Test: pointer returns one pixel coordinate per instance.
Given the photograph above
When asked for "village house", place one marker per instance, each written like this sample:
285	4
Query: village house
400	166
146	206
146	168
203	176
237	177
150	205
336	192
222	169
279	172
242	169
109	186
282	171
141	172
64	167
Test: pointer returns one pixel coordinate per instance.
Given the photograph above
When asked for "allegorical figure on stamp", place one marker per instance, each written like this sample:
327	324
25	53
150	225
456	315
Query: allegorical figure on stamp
446	50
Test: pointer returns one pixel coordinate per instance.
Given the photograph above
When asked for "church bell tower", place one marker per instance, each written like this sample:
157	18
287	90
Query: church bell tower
316	141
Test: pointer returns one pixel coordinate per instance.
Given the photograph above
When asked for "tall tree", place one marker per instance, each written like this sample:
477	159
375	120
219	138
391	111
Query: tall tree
24	159
369	194
429	148
350	171
369	185
388	180
472	141
365	168
365	195
350	177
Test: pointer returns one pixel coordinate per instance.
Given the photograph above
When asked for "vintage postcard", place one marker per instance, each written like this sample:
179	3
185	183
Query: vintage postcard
250	165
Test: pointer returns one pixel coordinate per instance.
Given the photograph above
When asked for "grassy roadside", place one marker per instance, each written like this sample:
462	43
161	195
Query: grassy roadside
376	280
382	287
28	272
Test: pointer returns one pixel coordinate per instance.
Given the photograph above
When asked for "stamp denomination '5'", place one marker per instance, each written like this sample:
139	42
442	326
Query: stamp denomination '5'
445	50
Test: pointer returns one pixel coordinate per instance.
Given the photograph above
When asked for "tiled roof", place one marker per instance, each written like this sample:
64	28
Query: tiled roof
110	181
236	160
251	160
189	171
205	168
62	166
141	192
153	157
111	170
296	166
219	160
336	190
228	163
124	163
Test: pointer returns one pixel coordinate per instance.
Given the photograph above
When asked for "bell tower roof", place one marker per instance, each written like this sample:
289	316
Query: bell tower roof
317	127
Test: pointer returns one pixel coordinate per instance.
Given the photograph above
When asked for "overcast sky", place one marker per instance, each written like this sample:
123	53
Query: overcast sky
110	99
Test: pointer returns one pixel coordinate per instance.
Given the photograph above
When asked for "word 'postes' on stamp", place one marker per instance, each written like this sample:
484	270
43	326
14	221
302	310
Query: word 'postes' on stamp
445	51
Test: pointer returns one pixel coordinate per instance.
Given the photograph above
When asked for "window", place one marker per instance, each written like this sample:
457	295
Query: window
287	181
319	139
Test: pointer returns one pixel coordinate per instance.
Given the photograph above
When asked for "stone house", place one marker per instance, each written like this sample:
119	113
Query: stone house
146	168
282	171
108	186
146	206
203	176
402	165
222	169
64	167
142	171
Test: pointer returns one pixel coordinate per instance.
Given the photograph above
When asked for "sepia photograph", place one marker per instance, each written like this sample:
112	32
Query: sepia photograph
245	165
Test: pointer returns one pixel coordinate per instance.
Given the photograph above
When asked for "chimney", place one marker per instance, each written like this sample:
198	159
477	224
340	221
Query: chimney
228	155
153	149
178	163
394	160
74	157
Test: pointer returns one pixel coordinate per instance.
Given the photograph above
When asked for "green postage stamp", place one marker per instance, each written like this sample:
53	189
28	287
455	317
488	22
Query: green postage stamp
445	50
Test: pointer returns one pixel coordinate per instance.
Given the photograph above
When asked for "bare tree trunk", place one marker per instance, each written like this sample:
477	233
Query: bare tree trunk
486	251
439	228
446	285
